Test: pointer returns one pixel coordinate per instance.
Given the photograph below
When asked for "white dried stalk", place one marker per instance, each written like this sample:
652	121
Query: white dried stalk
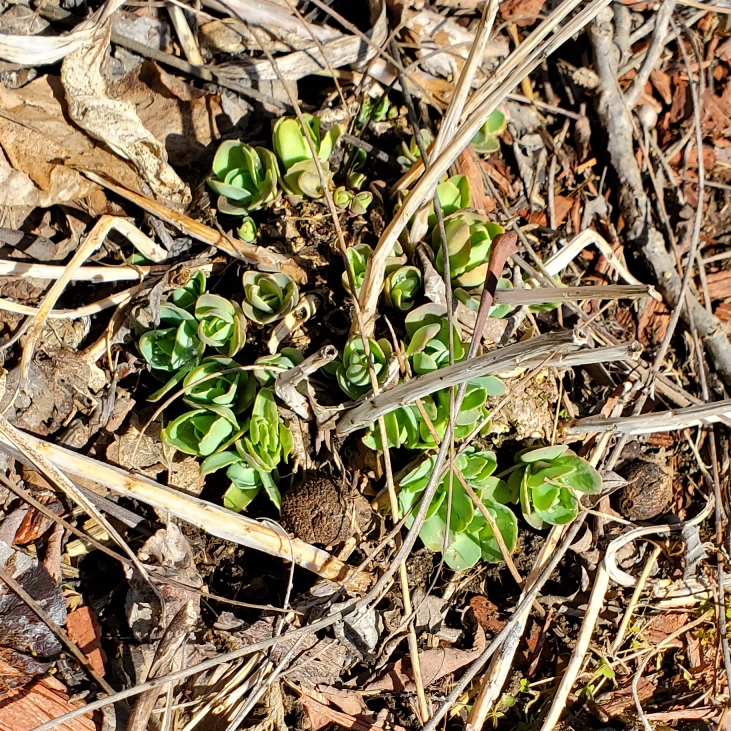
520	63
215	520
502	661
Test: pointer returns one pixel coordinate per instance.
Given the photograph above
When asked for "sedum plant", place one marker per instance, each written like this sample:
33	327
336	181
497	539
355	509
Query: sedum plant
469	237
454	195
244	177
355	202
295	156
174	344
352	371
487	141
402	287
221	324
253	454
427	329
467	536
357	258
547	480
248	231
268	297
201	431
286	358
268	441
219	381
245	481
410	152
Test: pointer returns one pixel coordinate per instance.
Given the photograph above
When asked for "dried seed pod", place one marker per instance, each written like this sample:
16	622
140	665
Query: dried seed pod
650	488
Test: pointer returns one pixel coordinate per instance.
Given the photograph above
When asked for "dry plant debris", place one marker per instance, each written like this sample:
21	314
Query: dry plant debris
365	365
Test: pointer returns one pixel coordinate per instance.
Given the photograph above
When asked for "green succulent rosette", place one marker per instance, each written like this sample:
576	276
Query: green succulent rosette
469	237
352	370
295	155
201	431
219	381
221	324
467	538
402	287
174	344
244	178
268	297
548	480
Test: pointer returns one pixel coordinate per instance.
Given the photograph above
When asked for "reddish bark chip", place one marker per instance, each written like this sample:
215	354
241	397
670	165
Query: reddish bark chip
84	629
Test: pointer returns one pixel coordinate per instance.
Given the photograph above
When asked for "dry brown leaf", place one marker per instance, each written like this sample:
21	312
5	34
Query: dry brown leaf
521	12
661	81
617	702
435	664
84	629
115	121
180	116
41	149
22	709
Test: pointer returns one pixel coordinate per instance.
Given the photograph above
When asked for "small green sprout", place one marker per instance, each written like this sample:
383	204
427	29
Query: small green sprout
174	344
376	110
352	371
402	287
547	480
411	152
268	297
357	203
201	431
244	178
469	537
247	231
469	237
286	358
290	145
207	385
268	441
487	141
221	324
357	257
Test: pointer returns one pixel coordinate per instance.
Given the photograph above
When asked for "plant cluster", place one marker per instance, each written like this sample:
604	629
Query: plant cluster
247	179
546	482
232	421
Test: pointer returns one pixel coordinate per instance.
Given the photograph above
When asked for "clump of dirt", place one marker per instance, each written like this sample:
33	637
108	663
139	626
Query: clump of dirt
321	511
649	491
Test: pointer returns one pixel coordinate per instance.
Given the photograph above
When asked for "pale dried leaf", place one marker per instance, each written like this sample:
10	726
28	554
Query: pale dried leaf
42	149
40	50
115	121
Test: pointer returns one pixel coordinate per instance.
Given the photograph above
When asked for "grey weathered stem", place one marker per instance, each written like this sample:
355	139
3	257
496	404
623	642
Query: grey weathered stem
543	295
553	349
650	423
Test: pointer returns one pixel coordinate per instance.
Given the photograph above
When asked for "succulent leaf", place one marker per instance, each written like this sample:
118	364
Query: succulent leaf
221	324
268	297
244	177
352	371
402	287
